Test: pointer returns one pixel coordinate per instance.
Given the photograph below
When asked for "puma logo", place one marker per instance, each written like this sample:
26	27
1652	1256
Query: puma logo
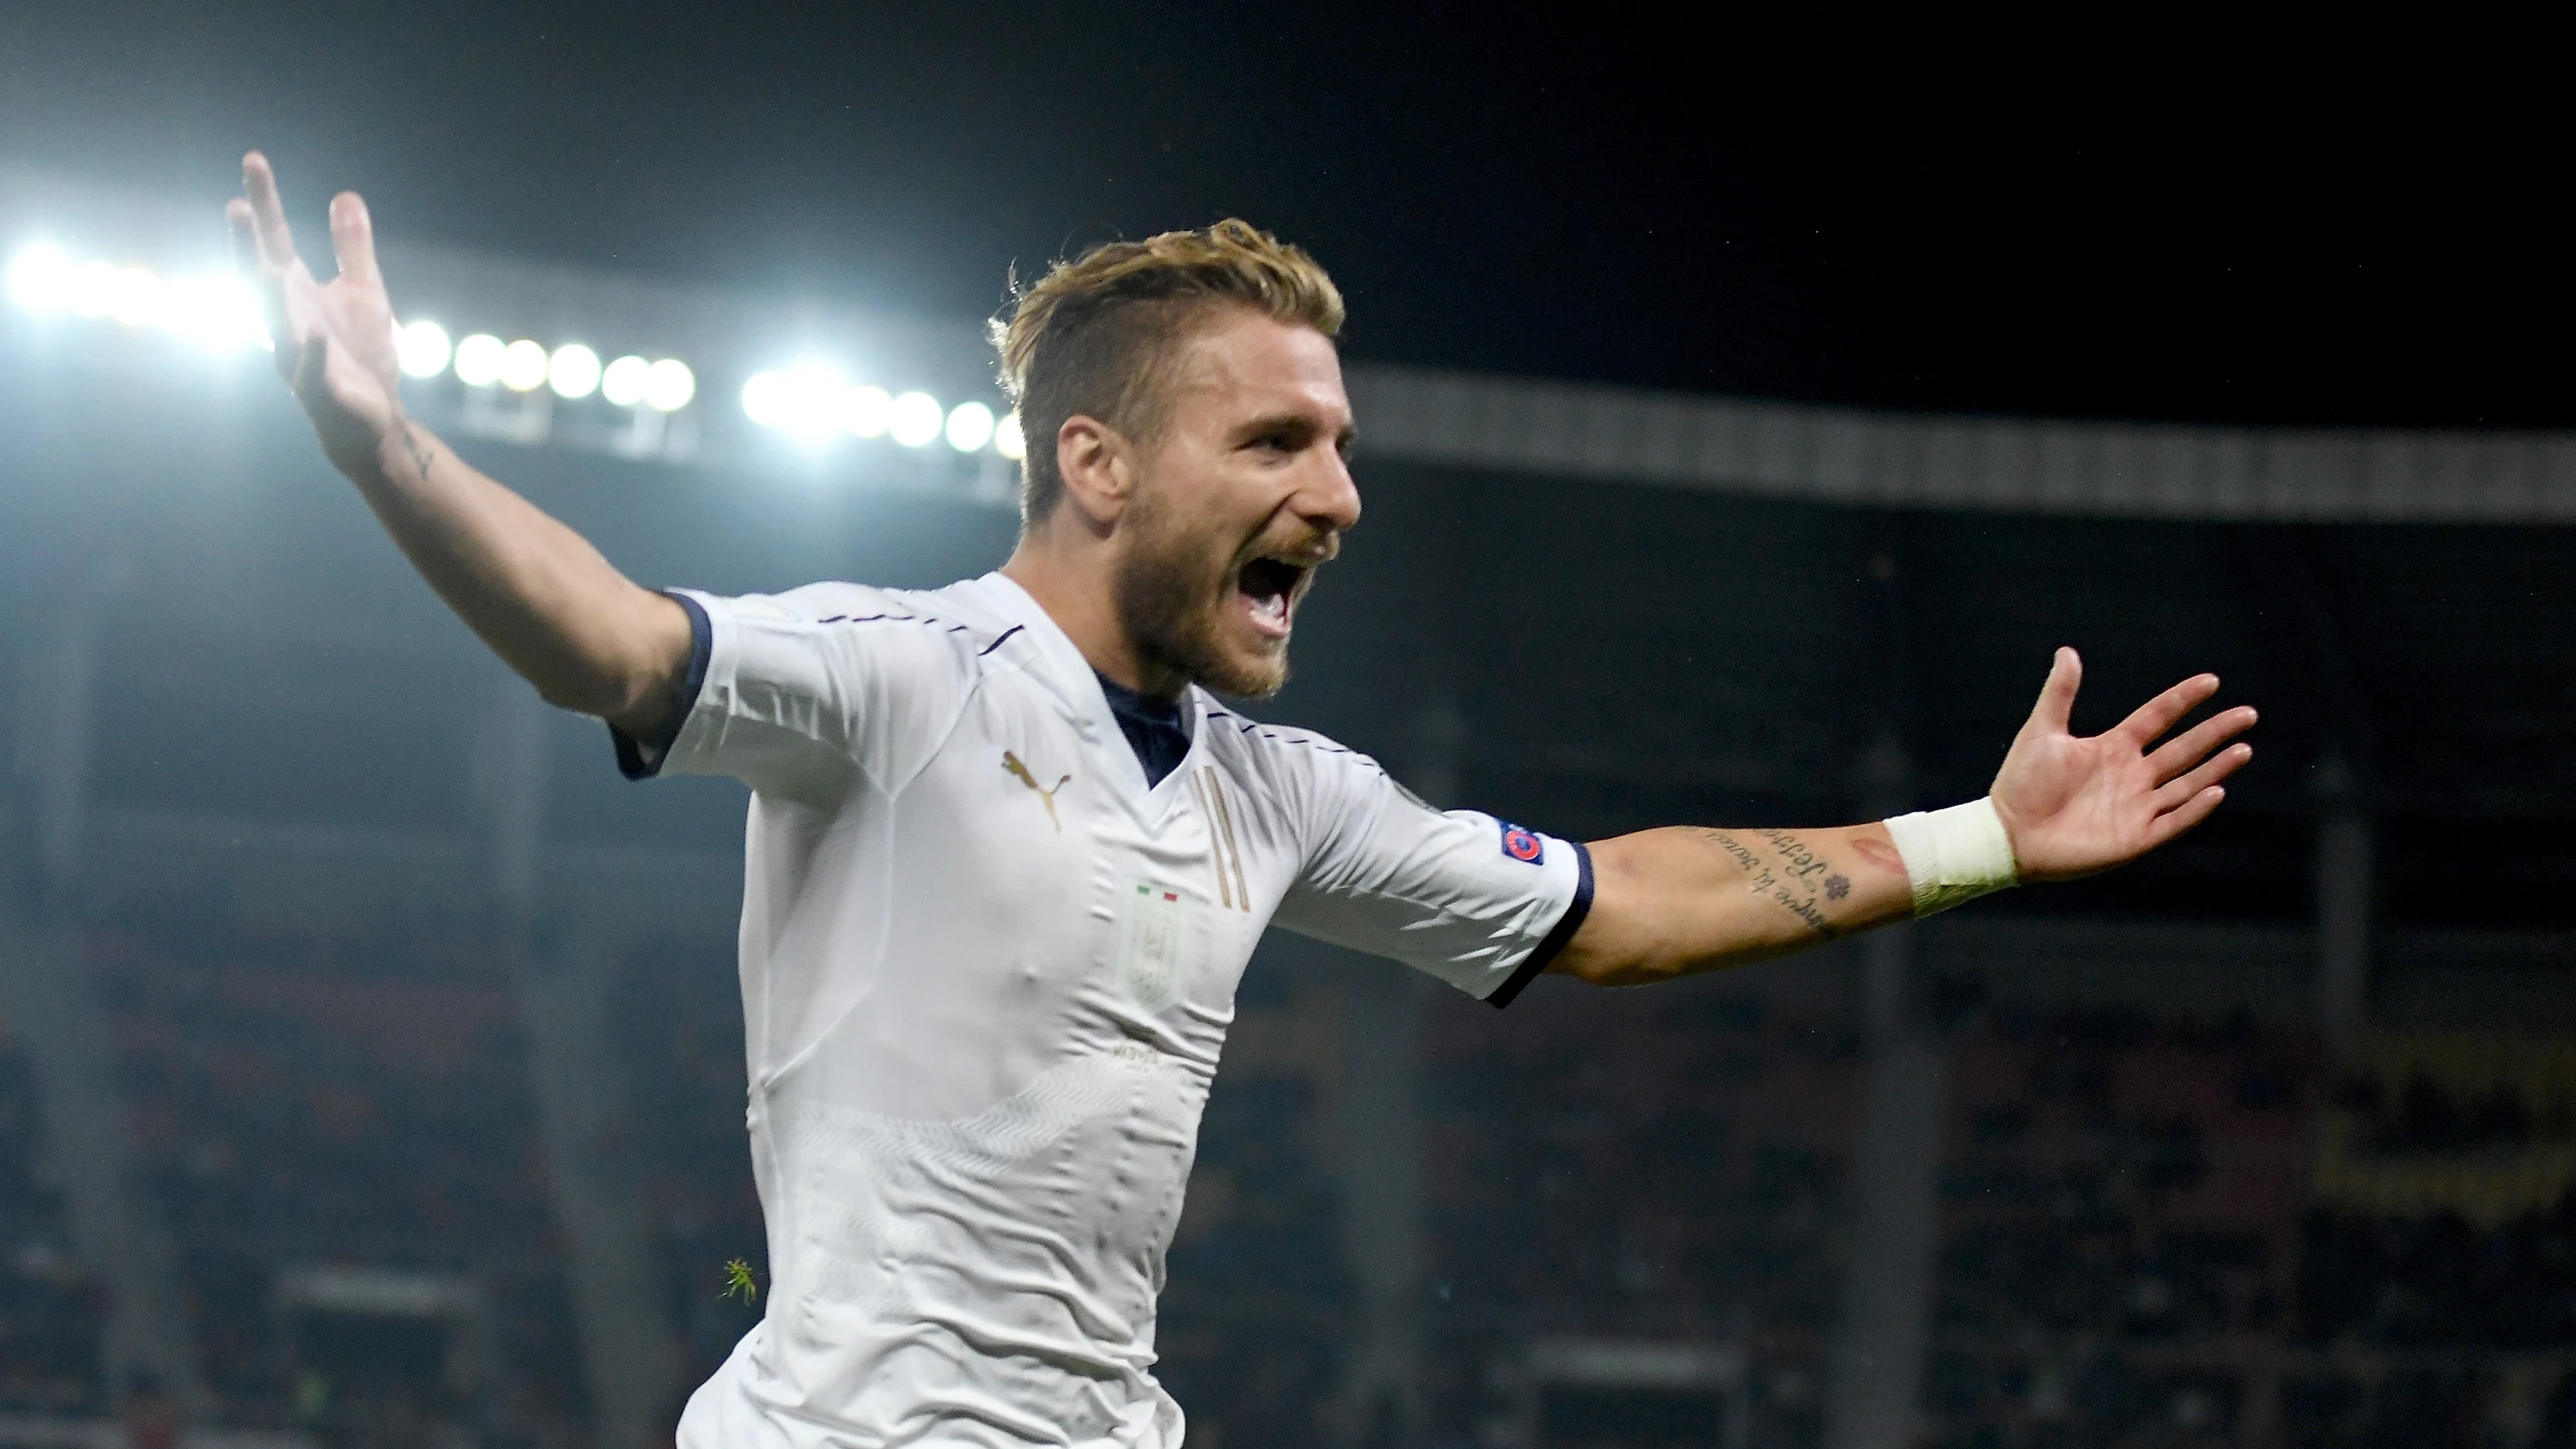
1011	762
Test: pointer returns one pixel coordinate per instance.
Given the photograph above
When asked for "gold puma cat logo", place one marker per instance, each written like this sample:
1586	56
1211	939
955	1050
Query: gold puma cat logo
1011	762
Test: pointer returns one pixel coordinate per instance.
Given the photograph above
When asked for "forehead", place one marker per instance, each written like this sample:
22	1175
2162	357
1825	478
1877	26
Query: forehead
1243	364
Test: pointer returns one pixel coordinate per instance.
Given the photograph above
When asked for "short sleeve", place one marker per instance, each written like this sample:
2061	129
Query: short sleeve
801	694
1479	902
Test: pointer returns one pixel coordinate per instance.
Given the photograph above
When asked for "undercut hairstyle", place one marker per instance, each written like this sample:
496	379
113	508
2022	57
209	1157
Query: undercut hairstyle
1096	335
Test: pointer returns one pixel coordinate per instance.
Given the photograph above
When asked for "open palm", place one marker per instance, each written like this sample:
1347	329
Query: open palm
335	339
2073	806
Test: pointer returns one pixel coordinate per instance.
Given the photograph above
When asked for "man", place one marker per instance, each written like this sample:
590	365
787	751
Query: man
1008	855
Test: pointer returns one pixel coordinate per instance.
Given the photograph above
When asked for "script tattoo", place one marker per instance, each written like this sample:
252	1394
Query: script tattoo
1790	875
421	455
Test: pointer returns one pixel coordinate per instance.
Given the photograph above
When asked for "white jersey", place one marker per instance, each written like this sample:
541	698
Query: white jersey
986	976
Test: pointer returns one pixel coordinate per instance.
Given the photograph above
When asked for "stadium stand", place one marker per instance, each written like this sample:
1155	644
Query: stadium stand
304	1099
50	1306
1639	1168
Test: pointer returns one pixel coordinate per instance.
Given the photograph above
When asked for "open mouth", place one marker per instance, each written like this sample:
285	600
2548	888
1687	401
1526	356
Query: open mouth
1269	590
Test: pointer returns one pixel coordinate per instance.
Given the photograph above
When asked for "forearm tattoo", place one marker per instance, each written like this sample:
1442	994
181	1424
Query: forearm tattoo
1791	874
421	453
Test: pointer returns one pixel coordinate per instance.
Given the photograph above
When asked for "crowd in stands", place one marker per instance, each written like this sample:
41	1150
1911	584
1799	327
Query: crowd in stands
1661	1166
302	1098
51	1306
678	1012
2120	1219
2135	1246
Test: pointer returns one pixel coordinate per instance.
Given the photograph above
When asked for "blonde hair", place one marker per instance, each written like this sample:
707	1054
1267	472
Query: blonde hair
1092	337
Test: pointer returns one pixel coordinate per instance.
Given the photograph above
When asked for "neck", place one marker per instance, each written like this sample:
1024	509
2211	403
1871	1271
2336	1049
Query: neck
1079	596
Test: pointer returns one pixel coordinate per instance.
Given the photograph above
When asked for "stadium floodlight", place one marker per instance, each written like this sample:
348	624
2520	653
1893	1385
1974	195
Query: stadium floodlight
813	410
805	400
523	366
866	411
478	360
573	372
134	298
970	426
93	289
669	385
764	398
421	347
220	313
916	419
40	278
624	381
1007	438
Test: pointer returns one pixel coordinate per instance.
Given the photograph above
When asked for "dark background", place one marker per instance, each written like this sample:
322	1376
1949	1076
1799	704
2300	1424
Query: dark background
2152	218
318	1057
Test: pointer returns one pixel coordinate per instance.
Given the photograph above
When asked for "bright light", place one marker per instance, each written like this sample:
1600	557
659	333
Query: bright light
623	383
1008	440
806	401
134	298
669	385
970	426
916	419
813	402
764	398
573	372
421	347
93	289
218	312
478	360
40	278
523	366
866	411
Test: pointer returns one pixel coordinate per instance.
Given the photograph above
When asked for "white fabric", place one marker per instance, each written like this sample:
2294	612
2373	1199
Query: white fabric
1955	855
986	976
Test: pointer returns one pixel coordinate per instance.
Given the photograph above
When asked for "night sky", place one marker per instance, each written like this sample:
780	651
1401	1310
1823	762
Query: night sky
2101	224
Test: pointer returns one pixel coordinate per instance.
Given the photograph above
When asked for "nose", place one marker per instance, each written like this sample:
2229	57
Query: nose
1330	501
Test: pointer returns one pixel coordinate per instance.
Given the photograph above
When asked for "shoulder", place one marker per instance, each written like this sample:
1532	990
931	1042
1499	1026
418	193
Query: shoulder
1283	758
947	621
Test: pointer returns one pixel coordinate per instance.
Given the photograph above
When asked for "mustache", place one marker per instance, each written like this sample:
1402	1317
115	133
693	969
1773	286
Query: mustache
1310	550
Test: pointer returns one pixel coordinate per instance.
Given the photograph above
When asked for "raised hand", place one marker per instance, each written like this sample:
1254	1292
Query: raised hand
2075	806
335	340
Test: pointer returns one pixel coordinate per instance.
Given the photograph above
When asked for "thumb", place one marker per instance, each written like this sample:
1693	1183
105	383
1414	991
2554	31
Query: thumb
2057	697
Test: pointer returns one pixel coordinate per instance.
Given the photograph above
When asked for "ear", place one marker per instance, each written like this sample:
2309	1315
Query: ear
1098	466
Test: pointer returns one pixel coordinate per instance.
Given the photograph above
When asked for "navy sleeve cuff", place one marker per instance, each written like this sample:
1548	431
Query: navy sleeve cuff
1566	926
642	759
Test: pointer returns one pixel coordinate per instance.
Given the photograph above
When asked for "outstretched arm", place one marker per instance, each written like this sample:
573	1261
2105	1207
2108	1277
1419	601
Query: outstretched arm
537	592
1675	901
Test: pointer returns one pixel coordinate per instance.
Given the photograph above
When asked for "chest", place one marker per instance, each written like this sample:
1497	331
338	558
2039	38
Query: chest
1160	890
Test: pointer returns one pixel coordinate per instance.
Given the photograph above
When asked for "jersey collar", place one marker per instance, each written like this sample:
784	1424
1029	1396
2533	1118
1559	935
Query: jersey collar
1071	679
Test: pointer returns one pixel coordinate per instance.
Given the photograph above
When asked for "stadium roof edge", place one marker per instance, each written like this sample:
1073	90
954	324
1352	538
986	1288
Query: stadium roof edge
1595	432
1863	458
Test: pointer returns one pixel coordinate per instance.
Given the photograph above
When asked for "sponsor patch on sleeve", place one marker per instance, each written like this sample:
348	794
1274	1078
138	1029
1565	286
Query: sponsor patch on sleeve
1523	845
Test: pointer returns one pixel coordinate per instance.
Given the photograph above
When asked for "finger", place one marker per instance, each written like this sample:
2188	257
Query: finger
2212	770
2193	811
310	362
245	235
353	240
268	213
2185	750
2158	714
2057	696
272	289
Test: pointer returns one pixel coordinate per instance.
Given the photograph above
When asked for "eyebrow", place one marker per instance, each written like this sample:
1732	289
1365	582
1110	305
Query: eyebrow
1298	423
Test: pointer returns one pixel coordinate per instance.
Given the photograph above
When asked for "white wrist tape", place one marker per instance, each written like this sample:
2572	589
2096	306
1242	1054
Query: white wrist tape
1955	855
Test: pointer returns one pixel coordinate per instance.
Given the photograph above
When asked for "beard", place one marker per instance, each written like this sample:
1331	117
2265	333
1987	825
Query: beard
1174	614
